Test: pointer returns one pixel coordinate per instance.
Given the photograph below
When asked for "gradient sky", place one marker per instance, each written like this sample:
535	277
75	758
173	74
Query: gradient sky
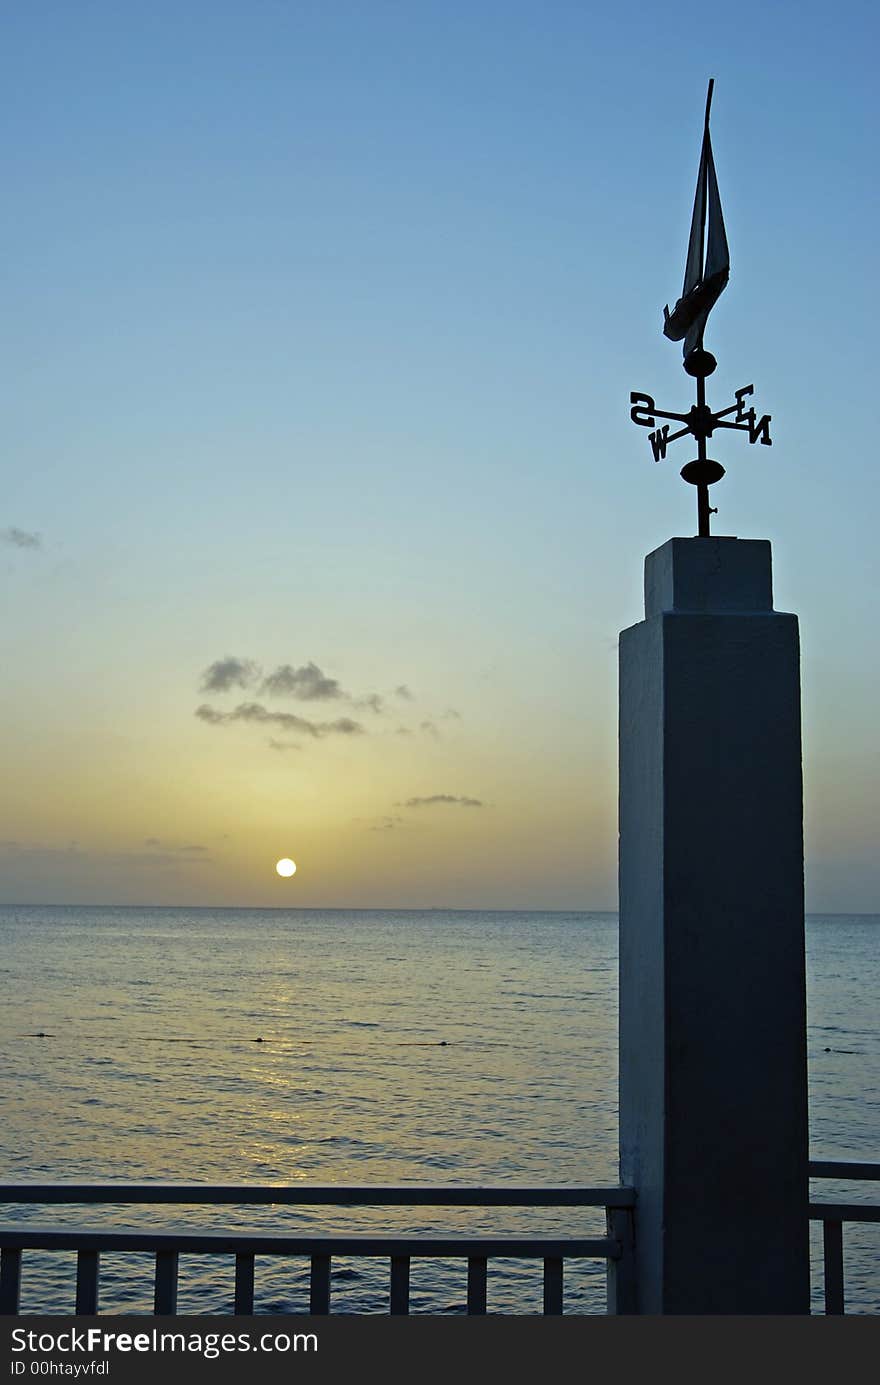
319	323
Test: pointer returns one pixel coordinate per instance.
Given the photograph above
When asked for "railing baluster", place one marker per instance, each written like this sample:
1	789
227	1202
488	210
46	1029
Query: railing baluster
833	1246
399	1284
621	1271
476	1285
552	1286
10	1280
165	1296
319	1289
244	1285
87	1265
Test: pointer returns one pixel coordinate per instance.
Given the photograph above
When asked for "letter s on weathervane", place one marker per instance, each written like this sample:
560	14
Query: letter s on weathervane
642	411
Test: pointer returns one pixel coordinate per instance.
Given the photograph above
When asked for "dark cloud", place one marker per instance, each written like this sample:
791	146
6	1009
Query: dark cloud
451	715
168	856
214	718
177	851
373	701
429	729
461	800
308	684
156	853
229	673
20	538
281	745
36	849
286	721
386	824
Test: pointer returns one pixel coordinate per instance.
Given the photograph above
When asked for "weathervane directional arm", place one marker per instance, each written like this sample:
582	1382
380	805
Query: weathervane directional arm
679	418
673	437
758	429
644	411
722	413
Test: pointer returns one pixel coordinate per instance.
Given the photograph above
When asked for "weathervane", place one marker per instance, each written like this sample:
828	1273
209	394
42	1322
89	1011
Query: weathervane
704	280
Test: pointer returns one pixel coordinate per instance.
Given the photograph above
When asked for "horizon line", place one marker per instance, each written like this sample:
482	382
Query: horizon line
385	908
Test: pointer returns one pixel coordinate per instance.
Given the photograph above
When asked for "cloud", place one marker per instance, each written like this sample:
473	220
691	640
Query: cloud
286	721
373	701
156	854
281	745
451	715
228	673
208	714
308	684
159	855
36	849
429	729
20	538
159	858
386	824
191	850
461	800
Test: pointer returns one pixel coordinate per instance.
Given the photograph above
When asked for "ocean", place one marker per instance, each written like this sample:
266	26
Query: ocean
346	1046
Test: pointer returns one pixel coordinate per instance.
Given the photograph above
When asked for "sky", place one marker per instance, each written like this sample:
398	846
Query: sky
321	507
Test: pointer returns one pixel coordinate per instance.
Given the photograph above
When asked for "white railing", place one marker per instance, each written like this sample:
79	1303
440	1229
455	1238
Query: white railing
616	1247
832	1215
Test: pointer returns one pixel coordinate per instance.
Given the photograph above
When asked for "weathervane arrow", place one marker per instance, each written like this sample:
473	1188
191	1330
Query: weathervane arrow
707	270
704	278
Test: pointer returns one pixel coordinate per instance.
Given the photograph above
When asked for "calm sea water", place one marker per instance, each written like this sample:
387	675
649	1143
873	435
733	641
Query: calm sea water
396	1047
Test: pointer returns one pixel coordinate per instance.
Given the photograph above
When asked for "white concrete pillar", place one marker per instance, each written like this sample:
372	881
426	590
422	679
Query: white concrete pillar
713	1083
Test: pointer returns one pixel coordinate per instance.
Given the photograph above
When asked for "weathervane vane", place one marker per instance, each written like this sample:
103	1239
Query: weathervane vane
704	280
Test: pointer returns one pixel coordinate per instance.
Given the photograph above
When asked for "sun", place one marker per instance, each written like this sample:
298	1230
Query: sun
285	866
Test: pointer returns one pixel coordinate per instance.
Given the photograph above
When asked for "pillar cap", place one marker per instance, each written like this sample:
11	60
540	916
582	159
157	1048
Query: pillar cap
709	575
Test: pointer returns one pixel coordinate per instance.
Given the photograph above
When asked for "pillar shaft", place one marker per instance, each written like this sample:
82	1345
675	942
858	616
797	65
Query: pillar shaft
713	1094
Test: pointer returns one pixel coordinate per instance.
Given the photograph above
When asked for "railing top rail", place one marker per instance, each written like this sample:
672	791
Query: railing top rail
844	1211
309	1194
229	1243
833	1168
